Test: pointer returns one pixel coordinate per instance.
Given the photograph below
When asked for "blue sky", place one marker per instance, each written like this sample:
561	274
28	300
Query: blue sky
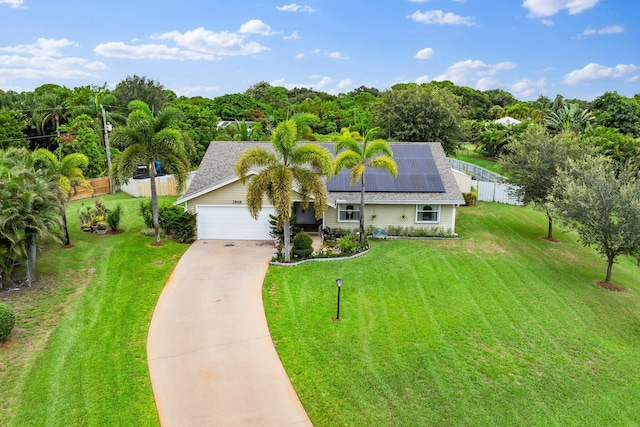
578	48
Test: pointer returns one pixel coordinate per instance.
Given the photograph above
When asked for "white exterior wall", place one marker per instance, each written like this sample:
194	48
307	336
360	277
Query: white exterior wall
387	214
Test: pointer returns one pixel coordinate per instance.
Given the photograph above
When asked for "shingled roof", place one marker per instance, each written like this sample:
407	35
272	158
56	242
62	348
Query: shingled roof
217	168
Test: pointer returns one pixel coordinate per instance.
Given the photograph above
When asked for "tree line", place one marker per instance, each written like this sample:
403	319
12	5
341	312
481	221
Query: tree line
148	123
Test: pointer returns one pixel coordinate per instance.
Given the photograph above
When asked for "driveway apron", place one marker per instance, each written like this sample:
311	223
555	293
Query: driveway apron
211	358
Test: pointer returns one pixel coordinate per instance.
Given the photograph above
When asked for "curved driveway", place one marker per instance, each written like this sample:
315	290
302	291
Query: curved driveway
210	354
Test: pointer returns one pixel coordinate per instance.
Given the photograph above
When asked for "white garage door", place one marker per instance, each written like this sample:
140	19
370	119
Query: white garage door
232	222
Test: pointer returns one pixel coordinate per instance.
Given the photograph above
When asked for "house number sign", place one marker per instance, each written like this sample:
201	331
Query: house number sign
237	202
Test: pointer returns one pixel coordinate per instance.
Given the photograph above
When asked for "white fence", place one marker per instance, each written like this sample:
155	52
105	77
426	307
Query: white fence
495	192
165	186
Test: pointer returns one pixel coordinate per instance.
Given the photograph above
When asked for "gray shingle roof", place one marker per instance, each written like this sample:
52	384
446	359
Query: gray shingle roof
217	167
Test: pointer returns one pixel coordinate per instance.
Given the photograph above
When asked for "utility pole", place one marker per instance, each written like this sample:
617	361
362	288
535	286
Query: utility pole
106	144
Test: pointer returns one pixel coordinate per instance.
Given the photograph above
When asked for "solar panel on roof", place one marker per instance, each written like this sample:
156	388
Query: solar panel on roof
417	173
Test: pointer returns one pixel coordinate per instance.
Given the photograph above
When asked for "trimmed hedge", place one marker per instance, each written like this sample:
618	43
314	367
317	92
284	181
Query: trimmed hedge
7	321
302	245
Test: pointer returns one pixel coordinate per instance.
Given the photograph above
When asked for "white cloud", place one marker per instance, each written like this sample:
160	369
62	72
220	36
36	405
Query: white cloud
324	82
219	44
196	90
148	51
423	79
255	26
328	54
293	36
464	72
42	47
526	88
522	89
440	17
321	83
294	7
13	3
425	53
300	56
543	8
345	84
632	79
610	29
547	22
593	71
44	59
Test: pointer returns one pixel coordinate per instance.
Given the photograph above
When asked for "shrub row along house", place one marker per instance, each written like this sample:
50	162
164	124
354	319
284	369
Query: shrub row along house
424	195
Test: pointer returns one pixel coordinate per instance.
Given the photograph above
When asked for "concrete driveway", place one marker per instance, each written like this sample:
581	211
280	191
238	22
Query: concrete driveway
210	355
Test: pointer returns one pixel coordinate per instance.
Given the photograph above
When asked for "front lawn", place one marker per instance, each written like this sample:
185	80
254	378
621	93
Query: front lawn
500	328
78	353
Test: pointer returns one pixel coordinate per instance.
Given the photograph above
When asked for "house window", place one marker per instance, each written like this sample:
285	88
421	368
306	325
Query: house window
347	213
427	213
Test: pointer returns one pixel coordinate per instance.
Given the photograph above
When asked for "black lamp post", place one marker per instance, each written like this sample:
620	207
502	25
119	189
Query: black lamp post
339	284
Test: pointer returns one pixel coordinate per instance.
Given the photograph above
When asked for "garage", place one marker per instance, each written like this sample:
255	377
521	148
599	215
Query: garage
233	223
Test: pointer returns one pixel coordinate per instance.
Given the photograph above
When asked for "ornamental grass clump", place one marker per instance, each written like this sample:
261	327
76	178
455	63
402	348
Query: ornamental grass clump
7	321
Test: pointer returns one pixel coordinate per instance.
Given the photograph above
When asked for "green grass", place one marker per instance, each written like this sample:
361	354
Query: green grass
467	153
500	328
78	353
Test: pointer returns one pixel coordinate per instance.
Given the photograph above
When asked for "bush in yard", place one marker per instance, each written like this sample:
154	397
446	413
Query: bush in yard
7	321
114	216
302	245
178	223
144	209
349	244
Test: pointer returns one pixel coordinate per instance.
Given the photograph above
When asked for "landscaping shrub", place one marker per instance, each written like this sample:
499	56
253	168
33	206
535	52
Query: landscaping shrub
349	244
114	216
177	223
144	209
471	198
393	230
278	233
302	245
7	321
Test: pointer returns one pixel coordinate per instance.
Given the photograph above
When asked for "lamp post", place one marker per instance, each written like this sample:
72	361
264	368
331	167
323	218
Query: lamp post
339	284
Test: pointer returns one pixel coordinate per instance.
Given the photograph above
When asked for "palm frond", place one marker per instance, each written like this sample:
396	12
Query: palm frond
253	158
284	138
356	173
376	147
316	156
386	163
346	159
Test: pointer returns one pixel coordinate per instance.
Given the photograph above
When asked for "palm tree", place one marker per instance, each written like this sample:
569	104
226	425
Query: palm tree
570	117
66	174
375	153
52	110
145	140
29	210
293	166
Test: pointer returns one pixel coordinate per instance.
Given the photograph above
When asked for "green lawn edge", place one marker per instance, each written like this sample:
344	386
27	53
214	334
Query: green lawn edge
499	328
89	327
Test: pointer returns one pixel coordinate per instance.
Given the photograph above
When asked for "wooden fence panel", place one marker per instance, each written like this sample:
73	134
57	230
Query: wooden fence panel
100	187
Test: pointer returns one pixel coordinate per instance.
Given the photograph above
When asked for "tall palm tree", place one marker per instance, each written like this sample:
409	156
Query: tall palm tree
67	174
51	108
293	166
146	139
373	153
29	209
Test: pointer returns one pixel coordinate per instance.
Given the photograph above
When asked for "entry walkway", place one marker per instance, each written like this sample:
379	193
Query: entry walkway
211	358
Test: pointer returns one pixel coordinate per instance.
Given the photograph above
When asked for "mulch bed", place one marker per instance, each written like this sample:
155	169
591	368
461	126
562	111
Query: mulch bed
612	287
552	239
